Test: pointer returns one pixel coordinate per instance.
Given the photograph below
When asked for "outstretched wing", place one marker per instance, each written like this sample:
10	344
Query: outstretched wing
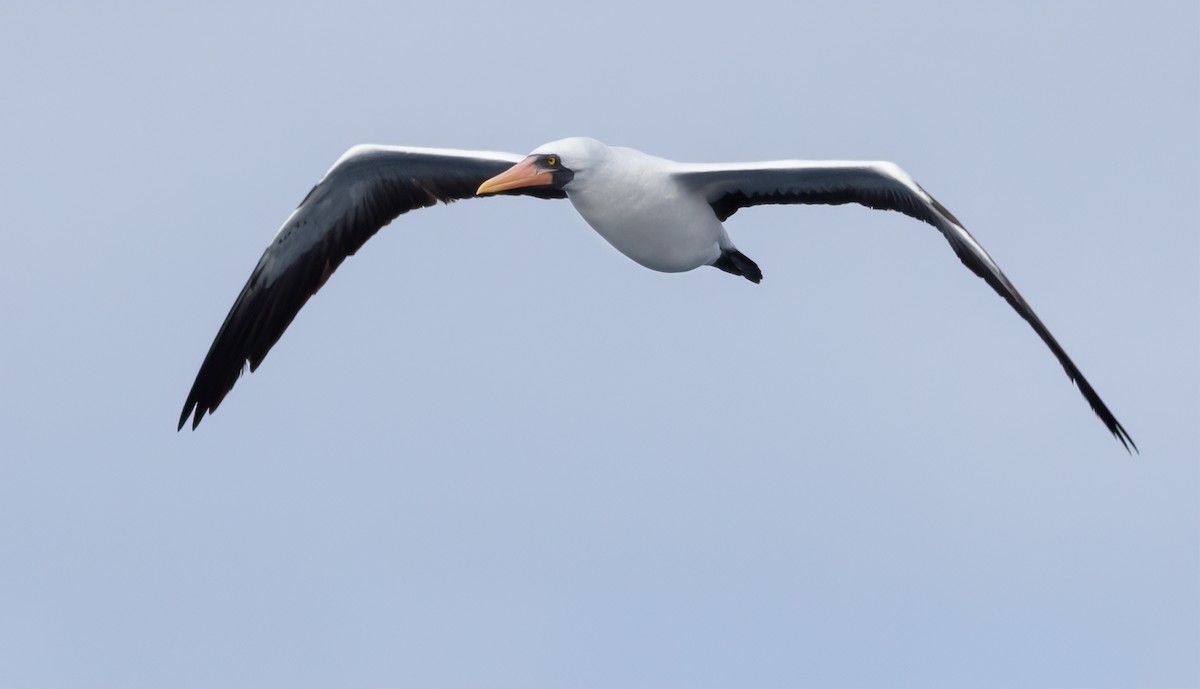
876	185
364	190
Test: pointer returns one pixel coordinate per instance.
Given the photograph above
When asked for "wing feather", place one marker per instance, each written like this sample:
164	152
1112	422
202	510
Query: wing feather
366	189
882	186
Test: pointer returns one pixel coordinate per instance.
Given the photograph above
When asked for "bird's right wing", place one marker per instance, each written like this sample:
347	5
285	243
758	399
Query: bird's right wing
365	189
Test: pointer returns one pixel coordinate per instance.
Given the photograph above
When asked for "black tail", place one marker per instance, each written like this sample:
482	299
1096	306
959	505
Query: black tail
737	263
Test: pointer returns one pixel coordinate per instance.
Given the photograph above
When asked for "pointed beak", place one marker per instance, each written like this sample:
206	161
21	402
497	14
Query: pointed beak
524	174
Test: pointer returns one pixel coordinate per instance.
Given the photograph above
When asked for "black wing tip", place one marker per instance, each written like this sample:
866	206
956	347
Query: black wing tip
1121	434
190	406
1101	410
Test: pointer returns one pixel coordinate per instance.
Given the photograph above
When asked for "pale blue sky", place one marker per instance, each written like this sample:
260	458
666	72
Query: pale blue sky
494	452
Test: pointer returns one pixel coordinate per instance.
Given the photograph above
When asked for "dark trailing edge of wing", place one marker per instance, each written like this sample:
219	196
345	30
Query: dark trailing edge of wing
874	189
361	194
836	193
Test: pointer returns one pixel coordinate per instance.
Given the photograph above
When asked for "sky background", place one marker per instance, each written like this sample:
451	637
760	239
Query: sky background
494	452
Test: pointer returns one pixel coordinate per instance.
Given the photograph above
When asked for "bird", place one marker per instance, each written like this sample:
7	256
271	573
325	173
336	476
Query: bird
665	215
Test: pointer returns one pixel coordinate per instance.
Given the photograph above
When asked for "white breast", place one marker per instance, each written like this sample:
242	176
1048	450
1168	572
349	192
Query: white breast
634	202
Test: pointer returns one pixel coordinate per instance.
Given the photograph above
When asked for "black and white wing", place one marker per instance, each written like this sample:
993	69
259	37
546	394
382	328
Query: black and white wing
364	190
876	185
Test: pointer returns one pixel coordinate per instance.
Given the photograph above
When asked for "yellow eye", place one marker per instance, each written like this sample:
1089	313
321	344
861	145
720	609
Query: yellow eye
552	161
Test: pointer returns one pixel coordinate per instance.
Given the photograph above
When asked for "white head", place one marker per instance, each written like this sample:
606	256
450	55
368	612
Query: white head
553	165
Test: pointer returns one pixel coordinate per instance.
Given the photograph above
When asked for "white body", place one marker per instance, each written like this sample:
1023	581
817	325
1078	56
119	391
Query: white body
635	202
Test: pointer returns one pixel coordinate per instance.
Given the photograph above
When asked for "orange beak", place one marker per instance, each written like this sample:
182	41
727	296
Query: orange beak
523	174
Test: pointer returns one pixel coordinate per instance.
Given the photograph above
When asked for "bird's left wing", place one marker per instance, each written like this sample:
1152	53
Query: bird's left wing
365	189
880	185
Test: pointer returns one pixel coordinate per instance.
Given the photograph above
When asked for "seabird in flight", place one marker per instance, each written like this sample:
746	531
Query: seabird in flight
667	216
